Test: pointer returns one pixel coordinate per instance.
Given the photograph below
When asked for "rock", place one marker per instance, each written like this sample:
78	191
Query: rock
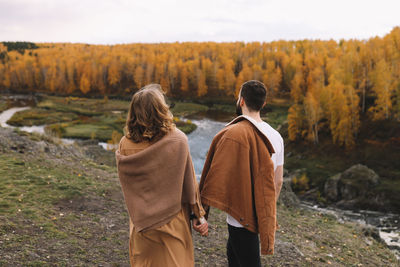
287	196
354	188
360	171
87	142
331	187
311	195
355	181
373	232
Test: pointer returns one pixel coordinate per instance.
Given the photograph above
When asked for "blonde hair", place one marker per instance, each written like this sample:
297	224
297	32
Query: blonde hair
149	117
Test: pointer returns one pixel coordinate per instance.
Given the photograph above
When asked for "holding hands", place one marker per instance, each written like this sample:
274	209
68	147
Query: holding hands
200	225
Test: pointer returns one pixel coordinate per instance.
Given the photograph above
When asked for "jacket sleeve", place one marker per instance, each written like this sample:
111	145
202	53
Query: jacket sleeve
197	208
265	204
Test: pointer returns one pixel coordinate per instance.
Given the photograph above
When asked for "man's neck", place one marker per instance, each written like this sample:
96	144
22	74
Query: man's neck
254	115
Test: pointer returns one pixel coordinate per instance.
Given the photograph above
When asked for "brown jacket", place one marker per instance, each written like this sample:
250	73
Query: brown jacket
157	181
238	178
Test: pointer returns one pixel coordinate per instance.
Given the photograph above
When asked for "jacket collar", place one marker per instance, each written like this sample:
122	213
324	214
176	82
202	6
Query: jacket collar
257	126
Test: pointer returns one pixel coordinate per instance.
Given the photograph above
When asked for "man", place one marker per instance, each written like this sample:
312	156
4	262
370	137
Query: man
243	176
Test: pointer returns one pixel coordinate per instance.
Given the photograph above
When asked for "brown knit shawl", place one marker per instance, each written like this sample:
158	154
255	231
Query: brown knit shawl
157	180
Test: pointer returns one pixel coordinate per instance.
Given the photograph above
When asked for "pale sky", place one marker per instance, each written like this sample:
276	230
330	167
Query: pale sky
131	21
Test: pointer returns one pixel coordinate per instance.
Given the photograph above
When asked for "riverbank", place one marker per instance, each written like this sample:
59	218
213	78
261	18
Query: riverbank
60	206
81	118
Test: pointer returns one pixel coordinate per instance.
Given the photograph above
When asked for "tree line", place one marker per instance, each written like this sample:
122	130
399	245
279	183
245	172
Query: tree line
331	84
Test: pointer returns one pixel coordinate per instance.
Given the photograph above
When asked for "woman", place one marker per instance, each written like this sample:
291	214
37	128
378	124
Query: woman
159	185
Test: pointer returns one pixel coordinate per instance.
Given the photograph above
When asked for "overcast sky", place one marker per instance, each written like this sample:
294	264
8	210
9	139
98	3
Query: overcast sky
127	21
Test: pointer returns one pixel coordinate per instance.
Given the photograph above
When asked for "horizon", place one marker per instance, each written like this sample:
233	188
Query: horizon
212	41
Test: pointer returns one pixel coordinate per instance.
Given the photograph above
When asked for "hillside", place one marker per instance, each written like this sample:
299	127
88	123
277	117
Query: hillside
63	205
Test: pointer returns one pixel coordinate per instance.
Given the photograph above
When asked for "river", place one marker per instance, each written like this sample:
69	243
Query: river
199	142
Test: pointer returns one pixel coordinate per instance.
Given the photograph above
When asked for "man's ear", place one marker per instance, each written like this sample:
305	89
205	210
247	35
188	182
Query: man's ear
265	102
241	103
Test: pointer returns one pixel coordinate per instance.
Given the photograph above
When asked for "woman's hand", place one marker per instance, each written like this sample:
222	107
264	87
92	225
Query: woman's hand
200	226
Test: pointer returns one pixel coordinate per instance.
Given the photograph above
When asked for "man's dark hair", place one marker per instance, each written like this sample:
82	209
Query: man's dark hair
254	94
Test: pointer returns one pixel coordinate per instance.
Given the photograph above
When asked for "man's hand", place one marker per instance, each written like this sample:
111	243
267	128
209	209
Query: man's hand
201	228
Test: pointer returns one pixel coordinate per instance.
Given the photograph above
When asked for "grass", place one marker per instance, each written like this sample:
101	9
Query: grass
185	126
86	131
324	241
275	114
25	184
305	238
51	211
183	109
3	105
71	212
82	106
224	108
40	116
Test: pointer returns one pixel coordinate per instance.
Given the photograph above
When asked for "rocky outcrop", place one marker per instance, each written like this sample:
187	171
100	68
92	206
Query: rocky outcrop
354	188
331	188
287	196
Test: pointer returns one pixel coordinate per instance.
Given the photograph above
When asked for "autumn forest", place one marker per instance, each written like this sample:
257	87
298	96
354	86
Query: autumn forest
332	85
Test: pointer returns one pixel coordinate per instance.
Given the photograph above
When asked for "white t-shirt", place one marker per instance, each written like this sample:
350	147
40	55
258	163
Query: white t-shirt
277	158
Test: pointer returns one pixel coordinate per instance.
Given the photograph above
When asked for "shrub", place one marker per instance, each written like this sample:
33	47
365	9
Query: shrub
300	184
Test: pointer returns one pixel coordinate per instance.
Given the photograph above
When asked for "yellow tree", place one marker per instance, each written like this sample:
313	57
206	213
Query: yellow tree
296	87
383	88
172	74
138	77
244	75
114	74
164	82
230	78
272	77
184	78
344	118
84	84
313	114
70	73
221	79
295	121
201	84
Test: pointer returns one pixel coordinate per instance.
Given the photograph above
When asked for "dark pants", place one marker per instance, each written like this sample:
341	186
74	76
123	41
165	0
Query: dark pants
243	248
